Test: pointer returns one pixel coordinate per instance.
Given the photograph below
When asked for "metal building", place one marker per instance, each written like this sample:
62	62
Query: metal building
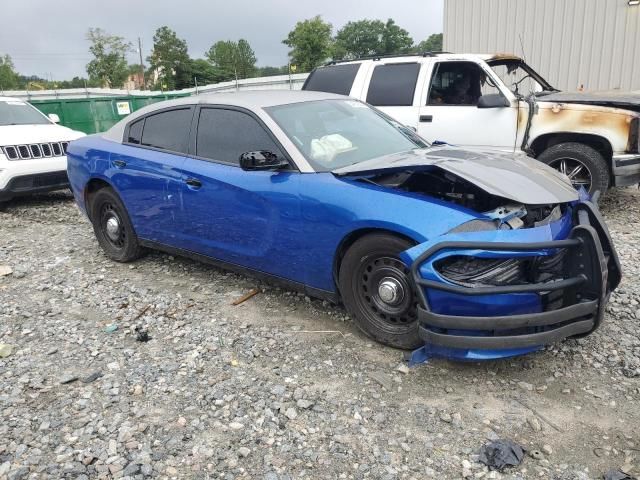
574	44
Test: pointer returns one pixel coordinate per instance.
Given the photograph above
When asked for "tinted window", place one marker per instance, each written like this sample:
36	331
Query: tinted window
333	79
16	112
393	84
224	135
167	130
135	132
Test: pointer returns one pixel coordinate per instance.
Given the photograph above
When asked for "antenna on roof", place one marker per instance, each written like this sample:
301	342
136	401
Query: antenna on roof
524	57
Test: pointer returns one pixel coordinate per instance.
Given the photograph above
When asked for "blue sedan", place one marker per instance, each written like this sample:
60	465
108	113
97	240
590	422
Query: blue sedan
461	253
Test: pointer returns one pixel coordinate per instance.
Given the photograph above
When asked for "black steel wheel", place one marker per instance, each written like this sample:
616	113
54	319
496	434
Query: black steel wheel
377	290
583	165
113	227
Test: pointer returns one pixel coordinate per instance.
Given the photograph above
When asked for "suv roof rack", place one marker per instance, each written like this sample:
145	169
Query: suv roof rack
378	57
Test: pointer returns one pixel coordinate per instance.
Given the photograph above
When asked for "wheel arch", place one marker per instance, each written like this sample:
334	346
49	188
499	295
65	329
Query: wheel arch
597	142
93	185
355	235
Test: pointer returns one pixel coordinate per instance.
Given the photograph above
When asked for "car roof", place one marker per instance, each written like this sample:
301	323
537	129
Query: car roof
11	99
251	100
421	57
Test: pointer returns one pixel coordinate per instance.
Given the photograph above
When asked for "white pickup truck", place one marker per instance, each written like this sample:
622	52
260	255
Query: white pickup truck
498	102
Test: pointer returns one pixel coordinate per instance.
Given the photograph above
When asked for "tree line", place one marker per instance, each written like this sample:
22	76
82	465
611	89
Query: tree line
169	66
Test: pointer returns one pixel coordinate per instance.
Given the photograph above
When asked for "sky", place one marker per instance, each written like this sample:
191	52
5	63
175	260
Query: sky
55	46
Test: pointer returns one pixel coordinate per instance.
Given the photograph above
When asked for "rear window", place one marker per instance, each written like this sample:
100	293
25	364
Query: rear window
167	130
135	132
333	79
393	85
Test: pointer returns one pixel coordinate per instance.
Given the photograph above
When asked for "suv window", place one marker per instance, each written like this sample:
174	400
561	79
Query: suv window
223	135
167	130
393	85
459	83
135	132
332	79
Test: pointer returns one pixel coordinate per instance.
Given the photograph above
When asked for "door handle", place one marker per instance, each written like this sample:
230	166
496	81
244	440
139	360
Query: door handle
119	163
193	183
426	118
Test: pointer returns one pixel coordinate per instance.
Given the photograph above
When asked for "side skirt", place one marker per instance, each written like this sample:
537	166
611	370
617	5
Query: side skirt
333	297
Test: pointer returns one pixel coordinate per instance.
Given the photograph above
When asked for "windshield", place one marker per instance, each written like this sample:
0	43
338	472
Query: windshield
520	78
335	133
15	112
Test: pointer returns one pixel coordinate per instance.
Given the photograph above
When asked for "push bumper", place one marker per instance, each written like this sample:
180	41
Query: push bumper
626	169
591	271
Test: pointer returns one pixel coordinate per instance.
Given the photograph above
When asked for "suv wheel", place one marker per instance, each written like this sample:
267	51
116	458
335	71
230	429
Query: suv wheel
584	165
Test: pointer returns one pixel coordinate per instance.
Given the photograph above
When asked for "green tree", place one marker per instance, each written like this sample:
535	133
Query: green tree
233	59
371	37
8	76
395	39
204	72
109	65
431	44
310	42
359	39
270	71
169	59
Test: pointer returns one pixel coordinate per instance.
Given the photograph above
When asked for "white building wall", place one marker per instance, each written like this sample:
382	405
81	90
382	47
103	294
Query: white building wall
593	44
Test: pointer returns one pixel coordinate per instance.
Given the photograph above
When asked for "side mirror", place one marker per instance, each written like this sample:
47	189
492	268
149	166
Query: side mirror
493	100
262	160
54	117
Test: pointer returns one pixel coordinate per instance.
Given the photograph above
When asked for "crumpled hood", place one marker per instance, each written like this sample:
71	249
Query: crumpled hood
515	177
626	100
26	134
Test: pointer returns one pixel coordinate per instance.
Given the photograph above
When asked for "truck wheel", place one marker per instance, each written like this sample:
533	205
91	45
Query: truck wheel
377	291
584	165
113	227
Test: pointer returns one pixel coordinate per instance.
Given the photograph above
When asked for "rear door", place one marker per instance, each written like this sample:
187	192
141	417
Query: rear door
395	88
146	170
450	110
248	218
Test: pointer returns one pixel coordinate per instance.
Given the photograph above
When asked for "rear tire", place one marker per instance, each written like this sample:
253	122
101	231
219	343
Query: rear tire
112	226
581	163
370	271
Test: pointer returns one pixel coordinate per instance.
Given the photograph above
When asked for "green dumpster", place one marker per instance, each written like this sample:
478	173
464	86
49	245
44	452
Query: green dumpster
94	115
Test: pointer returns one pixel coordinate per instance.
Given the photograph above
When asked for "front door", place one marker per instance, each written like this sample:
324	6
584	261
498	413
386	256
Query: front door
450	113
237	216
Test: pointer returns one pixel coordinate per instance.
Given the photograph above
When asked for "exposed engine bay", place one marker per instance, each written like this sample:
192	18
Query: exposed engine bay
442	185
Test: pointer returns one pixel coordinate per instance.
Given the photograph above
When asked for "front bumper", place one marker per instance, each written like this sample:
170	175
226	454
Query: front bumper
451	315
24	177
626	169
34	183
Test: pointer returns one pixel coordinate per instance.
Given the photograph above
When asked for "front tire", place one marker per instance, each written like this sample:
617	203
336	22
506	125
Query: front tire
377	291
112	226
584	165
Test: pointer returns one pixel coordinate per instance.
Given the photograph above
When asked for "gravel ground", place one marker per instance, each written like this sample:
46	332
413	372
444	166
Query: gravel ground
280	386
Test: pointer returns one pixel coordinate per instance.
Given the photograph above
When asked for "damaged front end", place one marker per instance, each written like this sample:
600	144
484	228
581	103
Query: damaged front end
533	266
500	292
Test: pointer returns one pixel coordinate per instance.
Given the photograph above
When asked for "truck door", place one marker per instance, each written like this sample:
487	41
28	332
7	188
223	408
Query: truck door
450	112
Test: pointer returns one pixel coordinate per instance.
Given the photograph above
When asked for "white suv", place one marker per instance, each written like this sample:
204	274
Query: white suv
499	102
32	150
